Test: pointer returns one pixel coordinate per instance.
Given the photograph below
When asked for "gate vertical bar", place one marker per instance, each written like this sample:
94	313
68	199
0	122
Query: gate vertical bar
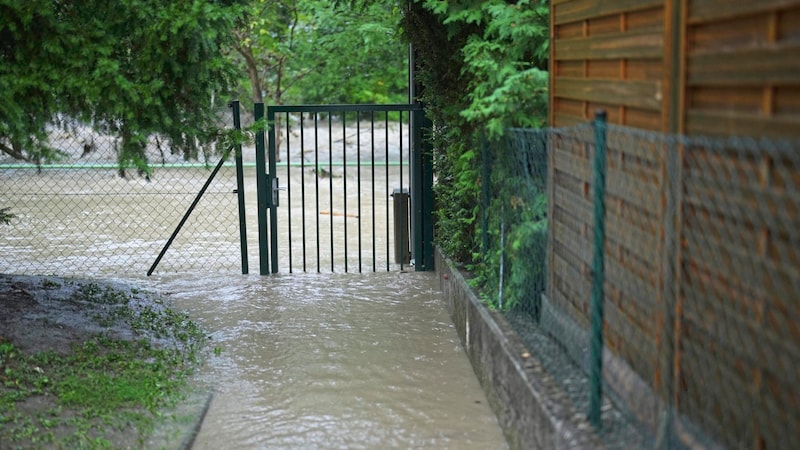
386	162
598	273
316	180
237	124
303	188
330	181
262	184
344	179
289	187
372	165
272	186
358	182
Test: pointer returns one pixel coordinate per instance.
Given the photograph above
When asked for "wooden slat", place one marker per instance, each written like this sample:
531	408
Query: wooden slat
573	165
708	10
597	26
787	100
631	189
631	45
738	296
570	200
736	261
647	222
569	304
789	25
716	170
567	120
746	203
620	230
632	333
636	144
610	69
568	30
630	316
567	106
574	285
568	182
572	241
571	274
639	353
712	361
716	37
714	392
749	66
646	19
643	119
563	68
585	9
726	123
741	336
622	215
635	288
645	69
640	94
568	219
642	245
742	99
581	260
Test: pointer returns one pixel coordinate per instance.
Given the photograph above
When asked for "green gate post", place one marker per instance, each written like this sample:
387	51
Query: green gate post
237	124
427	191
271	191
598	272
262	184
421	193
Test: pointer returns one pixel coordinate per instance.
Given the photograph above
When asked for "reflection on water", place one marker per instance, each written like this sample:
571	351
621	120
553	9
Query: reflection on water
334	361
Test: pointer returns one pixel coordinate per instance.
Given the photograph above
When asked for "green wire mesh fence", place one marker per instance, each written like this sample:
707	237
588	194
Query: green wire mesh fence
699	284
84	214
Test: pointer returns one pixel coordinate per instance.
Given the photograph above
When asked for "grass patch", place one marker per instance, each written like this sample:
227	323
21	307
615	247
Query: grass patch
107	388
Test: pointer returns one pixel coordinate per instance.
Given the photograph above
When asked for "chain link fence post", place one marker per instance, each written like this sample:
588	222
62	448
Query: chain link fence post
598	272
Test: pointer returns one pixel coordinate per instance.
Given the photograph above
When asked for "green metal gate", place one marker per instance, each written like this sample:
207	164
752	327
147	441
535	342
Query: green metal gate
333	185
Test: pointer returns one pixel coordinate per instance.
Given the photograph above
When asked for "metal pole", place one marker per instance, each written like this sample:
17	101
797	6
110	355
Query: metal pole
237	124
188	212
598	272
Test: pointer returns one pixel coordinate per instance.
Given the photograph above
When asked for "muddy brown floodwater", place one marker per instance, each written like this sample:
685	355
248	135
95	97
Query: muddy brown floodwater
304	360
334	361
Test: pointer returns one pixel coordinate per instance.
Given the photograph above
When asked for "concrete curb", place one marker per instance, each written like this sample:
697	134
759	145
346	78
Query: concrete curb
181	424
534	412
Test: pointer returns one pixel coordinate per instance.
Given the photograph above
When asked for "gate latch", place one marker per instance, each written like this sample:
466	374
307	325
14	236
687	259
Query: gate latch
275	188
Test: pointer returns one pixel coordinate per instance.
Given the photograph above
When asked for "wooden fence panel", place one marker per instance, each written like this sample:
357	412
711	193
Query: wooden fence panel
696	67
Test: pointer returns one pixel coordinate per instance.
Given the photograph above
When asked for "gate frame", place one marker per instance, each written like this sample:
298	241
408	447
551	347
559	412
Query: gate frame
421	170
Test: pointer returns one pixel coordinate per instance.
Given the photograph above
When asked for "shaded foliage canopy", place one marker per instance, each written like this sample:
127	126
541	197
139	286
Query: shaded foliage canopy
130	68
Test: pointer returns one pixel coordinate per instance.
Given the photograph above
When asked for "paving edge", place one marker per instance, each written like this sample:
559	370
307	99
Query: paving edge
181	424
531	408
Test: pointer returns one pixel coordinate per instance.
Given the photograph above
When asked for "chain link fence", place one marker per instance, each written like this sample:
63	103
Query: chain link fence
88	214
656	276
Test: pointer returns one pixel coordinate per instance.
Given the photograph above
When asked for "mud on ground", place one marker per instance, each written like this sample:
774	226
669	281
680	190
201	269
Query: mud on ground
47	313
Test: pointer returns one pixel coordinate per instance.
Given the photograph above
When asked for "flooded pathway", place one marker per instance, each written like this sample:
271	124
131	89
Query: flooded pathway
334	361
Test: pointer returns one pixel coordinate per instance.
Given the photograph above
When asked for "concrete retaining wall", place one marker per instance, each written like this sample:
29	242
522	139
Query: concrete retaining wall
532	409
